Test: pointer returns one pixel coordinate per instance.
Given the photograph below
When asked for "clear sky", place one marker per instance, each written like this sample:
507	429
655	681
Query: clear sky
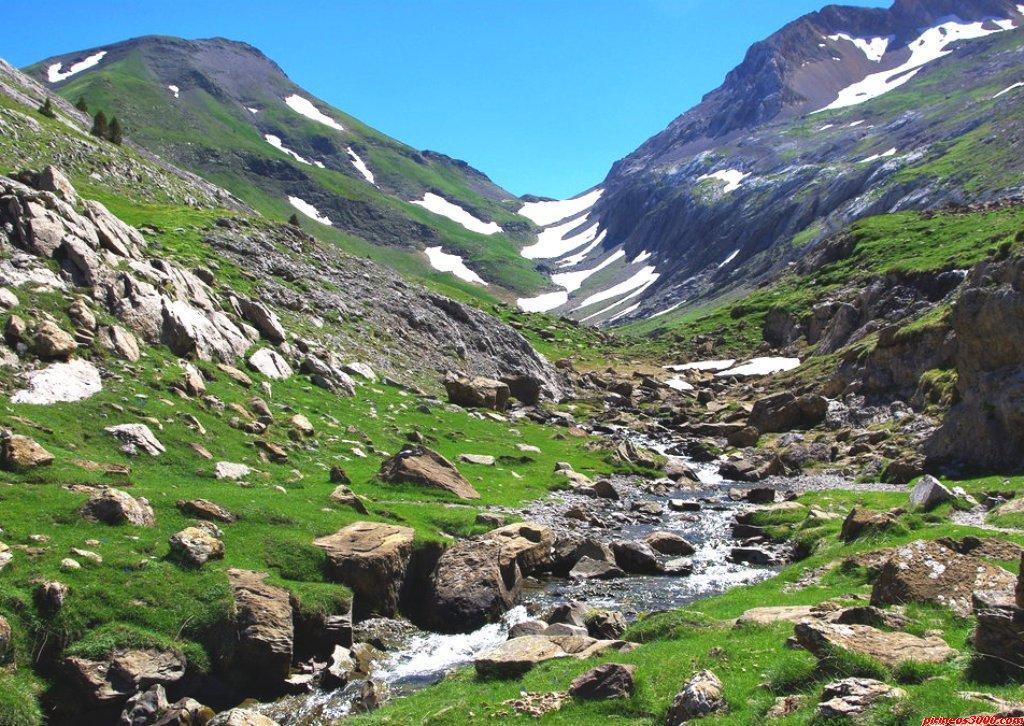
541	95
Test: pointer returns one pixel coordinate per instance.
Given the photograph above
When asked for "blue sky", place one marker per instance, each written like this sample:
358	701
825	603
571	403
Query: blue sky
541	95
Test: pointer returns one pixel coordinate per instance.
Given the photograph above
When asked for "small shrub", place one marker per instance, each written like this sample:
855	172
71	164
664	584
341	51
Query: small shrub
47	109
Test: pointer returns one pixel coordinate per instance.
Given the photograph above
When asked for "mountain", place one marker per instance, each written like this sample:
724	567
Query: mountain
841	114
227	112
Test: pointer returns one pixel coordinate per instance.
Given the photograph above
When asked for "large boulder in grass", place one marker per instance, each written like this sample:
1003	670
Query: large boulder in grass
929	493
851	697
21	452
998	641
371	558
925	571
604	682
700	696
889	648
196	545
420	465
263	319
861	522
263	629
52	343
113	506
516	656
528	543
477	392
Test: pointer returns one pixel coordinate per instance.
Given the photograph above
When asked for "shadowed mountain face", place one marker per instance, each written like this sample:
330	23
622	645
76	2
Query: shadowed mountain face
842	113
226	111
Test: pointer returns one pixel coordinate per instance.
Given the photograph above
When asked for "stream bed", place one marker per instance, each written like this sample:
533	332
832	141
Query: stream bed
423	658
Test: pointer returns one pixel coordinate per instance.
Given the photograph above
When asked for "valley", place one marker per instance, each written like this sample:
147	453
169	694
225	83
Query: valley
302	425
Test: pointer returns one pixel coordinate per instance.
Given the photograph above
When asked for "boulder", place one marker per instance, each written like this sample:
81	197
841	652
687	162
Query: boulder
477	392
851	697
327	375
998	641
605	624
700	696
588	568
270	363
21	452
420	465
786	411
527	627
263	319
669	543
860	522
263	629
51	179
371	558
362	370
302	425
196	545
775	614
113	234
889	648
144	707
122	673
205	509
185	712
929	493
346	497
6	640
925	571
113	506
604	682
515	657
637	558
528	543
52	343
119	341
525	389
135	438
206	334
474	583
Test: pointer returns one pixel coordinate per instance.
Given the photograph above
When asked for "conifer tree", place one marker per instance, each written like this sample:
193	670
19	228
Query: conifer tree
47	108
294	220
81	105
114	133
99	125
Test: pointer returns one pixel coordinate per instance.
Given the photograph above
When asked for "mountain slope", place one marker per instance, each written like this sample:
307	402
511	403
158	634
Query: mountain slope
842	114
224	110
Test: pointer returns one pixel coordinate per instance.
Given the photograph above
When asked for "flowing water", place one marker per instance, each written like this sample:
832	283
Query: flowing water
426	657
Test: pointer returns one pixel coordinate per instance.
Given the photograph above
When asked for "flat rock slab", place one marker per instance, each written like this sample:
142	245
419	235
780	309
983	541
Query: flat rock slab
926	571
776	614
889	648
515	657
263	624
60	383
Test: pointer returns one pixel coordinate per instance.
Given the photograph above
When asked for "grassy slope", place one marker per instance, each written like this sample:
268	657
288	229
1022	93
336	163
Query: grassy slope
210	129
752	662
138	595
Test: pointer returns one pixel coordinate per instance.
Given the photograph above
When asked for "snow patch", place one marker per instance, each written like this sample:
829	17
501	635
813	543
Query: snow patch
761	367
876	157
852	124
732	178
557	241
636	293
543	302
544	214
250	109
572	281
677	383
703	365
666	311
444	262
578	257
826	127
873	48
276	142
305	107
624	313
728	259
440	205
175	90
645	255
55	75
60	383
1006	90
638	281
360	165
927	47
309	210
